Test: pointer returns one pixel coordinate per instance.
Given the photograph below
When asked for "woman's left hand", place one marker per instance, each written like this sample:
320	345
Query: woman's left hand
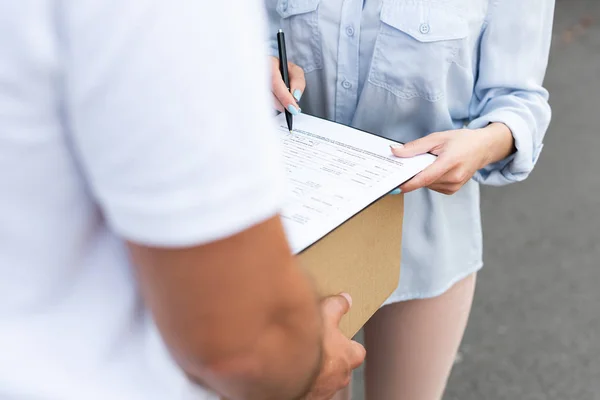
460	153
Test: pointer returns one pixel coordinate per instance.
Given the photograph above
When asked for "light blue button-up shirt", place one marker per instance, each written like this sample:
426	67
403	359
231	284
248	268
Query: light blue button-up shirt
407	68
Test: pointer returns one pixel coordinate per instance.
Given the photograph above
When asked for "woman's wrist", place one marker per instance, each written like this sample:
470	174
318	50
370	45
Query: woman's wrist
500	142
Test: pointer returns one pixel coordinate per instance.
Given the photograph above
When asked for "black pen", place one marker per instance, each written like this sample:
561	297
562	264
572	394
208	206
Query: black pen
283	68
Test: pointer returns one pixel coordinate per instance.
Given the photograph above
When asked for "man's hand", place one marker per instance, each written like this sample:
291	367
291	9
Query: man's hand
340	355
460	153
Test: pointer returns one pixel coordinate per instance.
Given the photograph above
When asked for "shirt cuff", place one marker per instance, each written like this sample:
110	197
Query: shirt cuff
272	48
517	166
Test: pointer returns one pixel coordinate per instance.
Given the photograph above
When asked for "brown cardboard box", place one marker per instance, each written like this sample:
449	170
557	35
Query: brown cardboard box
361	257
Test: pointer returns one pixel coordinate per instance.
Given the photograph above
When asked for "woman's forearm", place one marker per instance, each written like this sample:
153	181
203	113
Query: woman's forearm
501	143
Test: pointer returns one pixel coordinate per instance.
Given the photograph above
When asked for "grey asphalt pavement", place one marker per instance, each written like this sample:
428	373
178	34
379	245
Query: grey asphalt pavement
534	332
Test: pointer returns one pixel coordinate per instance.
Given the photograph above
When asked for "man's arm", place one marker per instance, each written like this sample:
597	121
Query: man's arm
237	314
168	112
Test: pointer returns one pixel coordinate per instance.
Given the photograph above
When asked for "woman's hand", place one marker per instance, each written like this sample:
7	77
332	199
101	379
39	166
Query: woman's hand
283	97
460	153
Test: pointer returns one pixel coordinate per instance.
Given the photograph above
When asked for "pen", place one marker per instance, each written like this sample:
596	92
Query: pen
283	68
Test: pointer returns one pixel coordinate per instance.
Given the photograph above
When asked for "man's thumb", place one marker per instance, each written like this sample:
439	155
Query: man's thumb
335	307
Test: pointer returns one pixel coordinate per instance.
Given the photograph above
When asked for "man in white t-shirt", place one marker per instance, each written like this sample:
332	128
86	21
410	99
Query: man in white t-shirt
139	189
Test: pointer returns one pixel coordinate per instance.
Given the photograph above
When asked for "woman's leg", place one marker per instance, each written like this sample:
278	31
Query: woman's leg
411	346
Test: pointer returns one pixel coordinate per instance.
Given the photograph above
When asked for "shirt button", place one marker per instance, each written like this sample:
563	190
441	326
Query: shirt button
350	31
424	29
346	85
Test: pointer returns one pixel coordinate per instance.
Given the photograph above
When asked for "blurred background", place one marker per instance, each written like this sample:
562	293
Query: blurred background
534	332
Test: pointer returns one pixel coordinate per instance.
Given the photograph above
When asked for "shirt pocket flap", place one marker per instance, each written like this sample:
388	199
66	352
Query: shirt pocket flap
426	22
288	8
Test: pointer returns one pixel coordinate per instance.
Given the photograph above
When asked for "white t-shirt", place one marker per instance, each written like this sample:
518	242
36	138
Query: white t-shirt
139	119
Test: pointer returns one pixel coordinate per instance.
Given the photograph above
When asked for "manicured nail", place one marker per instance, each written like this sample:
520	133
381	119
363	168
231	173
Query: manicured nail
396	191
293	110
347	297
297	94
396	146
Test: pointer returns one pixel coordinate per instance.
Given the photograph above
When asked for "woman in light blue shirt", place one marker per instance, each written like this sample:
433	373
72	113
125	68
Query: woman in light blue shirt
459	78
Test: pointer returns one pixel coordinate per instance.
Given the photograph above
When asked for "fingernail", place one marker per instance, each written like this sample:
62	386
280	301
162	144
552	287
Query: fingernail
297	94
347	297
293	110
396	191
396	146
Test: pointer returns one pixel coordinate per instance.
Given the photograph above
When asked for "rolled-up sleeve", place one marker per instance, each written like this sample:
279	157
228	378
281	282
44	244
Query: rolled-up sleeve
513	57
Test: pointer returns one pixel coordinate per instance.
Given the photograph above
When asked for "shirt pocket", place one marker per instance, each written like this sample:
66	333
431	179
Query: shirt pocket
301	26
417	42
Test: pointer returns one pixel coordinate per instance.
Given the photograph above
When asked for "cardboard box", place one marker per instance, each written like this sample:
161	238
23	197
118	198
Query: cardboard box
360	257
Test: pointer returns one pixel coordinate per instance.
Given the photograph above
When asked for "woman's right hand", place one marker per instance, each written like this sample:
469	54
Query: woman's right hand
282	97
340	355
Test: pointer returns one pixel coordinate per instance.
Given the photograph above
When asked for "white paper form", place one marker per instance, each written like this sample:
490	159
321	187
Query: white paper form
333	173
